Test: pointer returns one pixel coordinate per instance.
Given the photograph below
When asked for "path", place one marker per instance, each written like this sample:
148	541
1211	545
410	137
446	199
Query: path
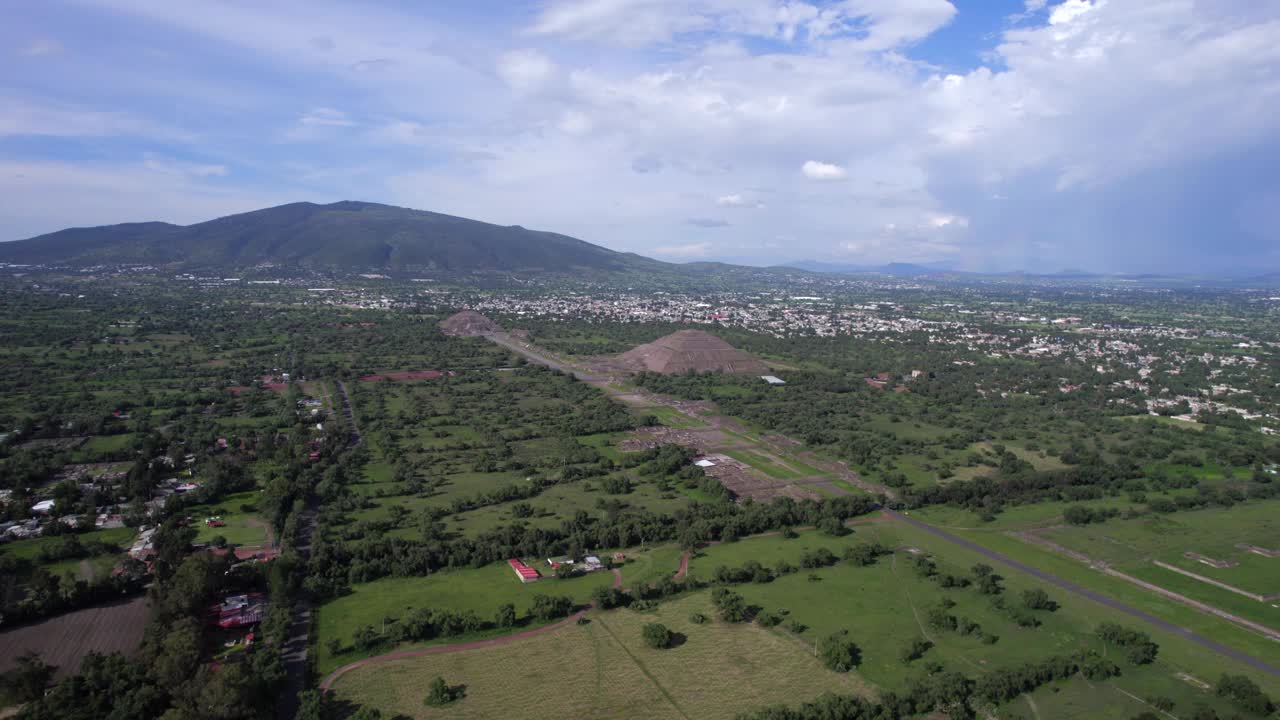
329	680
294	652
1112	603
719	422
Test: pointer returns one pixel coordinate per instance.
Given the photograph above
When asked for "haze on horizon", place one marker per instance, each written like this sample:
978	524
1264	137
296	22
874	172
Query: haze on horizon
1108	135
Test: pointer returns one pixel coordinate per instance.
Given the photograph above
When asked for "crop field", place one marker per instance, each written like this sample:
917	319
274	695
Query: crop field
65	640
604	670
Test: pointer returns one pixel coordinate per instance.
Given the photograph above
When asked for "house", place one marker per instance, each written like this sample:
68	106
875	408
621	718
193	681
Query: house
773	380
44	507
522	571
704	463
592	563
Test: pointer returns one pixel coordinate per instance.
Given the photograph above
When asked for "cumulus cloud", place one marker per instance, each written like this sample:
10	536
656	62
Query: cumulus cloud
815	170
654	112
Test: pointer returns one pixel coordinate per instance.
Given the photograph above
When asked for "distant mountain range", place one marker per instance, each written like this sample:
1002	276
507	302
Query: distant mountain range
369	237
341	236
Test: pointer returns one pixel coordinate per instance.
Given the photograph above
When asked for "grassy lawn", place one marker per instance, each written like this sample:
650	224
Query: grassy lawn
30	549
604	670
483	590
243	527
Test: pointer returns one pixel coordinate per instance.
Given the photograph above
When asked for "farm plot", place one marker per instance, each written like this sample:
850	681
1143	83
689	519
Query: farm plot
65	640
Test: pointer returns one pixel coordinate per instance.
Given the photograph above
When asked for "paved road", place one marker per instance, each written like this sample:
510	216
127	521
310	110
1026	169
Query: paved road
1112	603
294	652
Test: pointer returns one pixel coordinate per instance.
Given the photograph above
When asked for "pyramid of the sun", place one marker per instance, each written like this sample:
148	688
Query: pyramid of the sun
690	350
468	323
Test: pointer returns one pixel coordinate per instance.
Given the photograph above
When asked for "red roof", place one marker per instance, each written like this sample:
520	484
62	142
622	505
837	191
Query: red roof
522	570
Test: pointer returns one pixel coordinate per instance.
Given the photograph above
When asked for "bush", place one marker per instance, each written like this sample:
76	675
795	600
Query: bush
1245	693
838	652
439	693
656	636
915	650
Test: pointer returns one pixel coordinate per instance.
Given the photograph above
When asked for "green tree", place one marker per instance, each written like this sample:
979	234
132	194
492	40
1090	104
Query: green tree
656	636
837	652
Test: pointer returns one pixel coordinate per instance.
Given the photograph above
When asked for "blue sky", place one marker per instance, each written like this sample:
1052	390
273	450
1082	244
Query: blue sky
1122	135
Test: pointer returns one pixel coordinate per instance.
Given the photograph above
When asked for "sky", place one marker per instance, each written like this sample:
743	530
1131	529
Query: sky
1104	135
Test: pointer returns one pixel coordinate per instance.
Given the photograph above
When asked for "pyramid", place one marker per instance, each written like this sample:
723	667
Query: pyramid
468	323
690	350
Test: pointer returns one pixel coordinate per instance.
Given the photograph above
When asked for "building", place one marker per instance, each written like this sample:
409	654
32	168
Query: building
773	380
522	571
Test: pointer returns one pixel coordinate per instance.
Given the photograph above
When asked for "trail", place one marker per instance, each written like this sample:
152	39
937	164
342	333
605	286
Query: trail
1217	647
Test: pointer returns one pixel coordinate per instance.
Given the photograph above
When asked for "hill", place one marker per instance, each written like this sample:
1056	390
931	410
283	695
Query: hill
343	235
690	350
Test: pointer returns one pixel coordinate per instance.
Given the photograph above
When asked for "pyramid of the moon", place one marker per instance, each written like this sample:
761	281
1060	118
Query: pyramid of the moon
468	323
690	350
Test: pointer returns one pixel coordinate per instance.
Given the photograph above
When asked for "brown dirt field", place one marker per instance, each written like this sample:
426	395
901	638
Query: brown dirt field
65	640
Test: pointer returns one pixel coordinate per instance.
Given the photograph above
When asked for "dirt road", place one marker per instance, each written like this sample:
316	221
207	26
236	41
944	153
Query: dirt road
1110	602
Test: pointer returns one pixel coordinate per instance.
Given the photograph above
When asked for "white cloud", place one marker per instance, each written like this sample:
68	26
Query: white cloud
734	200
325	117
574	122
815	170
1070	10
525	70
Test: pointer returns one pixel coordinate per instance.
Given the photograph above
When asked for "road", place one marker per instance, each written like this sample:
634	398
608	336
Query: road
515	346
1112	603
294	652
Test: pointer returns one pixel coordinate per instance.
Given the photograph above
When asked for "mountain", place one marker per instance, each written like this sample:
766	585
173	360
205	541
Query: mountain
897	269
343	235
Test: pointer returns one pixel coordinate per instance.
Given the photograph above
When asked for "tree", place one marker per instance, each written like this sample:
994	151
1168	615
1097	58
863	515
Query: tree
28	680
439	693
656	636
1038	599
506	616
838	652
915	649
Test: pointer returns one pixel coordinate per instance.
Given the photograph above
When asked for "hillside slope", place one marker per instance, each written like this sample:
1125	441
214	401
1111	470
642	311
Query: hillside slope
343	235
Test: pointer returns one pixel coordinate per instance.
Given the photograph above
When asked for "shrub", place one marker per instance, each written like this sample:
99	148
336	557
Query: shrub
656	636
838	652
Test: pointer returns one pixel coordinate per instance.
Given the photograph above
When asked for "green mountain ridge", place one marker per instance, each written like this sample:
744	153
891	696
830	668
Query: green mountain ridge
345	235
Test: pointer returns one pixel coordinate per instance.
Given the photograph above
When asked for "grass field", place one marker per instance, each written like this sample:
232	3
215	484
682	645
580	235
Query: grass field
1213	532
483	590
243	527
604	670
30	549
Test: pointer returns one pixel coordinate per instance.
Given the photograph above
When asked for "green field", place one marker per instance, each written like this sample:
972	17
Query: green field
483	590
1213	532
604	670
243	527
